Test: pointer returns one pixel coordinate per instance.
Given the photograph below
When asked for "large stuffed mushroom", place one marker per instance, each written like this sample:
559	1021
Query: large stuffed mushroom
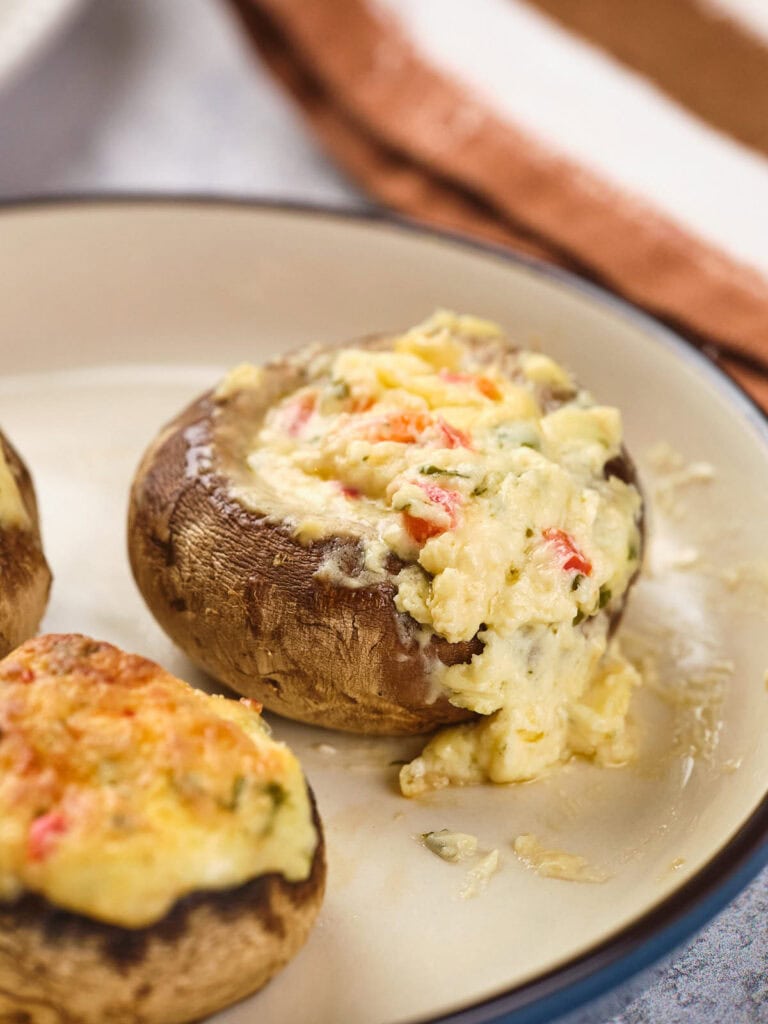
160	854
25	578
406	532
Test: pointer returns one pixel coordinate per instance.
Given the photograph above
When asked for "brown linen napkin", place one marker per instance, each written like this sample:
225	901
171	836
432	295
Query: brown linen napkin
489	119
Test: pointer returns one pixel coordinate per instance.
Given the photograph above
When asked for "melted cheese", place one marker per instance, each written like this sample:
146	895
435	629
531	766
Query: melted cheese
451	846
485	474
122	789
480	875
12	510
568	867
243	376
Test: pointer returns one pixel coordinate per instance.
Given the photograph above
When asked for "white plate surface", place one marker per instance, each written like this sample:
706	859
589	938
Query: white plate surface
116	315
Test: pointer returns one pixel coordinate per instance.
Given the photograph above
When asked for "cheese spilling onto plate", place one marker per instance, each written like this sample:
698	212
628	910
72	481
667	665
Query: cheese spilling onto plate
500	486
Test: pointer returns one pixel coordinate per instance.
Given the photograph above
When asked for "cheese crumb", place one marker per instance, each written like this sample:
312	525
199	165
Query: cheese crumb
451	846
242	377
568	867
479	875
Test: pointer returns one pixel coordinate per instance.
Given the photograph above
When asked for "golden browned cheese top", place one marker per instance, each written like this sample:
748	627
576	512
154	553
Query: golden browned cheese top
123	788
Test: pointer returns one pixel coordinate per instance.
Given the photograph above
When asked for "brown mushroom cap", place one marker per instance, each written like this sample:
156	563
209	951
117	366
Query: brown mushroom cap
240	595
212	949
25	579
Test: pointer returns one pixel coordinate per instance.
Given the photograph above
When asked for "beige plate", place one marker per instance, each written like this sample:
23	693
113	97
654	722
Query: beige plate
116	314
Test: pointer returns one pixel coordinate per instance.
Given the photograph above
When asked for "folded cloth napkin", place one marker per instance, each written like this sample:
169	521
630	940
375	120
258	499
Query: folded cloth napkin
624	140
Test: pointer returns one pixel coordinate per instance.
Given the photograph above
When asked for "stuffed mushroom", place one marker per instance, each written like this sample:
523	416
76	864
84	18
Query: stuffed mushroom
160	854
25	578
416	530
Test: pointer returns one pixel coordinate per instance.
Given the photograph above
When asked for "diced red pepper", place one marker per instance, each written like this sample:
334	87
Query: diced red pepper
44	833
410	426
419	530
483	384
19	672
299	411
450	500
488	388
456	378
564	546
403	427
454	438
422	529
361	404
348	492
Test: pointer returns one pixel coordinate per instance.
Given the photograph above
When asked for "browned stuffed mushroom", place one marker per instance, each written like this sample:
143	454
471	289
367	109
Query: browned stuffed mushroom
398	534
160	855
25	578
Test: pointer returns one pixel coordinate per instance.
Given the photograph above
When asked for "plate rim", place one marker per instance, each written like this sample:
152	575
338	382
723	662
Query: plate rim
675	918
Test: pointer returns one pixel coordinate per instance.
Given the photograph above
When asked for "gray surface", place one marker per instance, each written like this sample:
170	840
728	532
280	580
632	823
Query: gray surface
162	95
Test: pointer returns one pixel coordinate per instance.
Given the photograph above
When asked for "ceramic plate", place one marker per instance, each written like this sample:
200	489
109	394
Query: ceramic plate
116	314
26	26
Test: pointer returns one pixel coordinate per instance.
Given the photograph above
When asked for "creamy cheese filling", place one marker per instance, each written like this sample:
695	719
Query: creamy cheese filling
122	789
484	471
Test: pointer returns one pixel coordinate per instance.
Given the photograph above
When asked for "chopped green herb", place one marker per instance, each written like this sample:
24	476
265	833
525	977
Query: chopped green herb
578	617
576	581
277	794
438	471
480	489
605	597
237	791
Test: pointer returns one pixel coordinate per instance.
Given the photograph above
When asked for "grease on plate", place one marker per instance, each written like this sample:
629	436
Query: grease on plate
553	863
673	476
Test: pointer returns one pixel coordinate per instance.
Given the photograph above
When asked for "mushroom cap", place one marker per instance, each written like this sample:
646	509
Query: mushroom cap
236	590
211	949
25	579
